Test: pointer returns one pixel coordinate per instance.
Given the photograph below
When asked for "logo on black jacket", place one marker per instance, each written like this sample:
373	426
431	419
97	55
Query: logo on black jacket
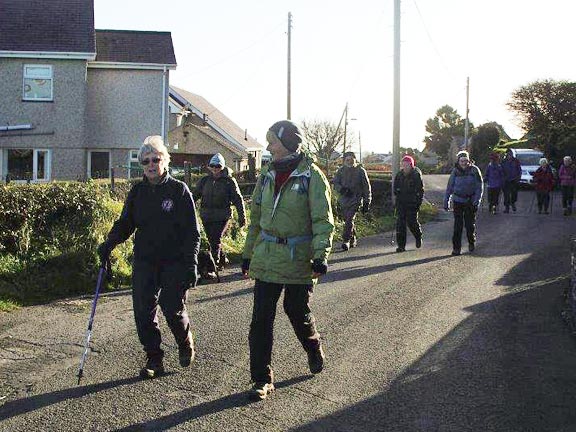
167	205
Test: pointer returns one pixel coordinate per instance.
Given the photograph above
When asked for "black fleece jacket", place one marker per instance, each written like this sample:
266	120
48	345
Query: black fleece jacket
164	218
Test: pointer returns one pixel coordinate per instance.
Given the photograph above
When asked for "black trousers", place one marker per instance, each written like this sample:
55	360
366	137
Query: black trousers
567	196
260	338
543	198
464	215
493	197
162	285
214	232
510	193
407	216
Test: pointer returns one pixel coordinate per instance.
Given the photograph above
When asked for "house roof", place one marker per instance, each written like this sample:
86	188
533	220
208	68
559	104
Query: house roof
55	26
127	46
215	116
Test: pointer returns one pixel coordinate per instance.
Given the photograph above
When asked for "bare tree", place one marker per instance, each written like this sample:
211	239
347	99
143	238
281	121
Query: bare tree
323	138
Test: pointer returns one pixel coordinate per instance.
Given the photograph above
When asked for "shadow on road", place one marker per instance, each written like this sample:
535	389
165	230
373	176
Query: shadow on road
357	272
28	404
227	295
507	367
227	402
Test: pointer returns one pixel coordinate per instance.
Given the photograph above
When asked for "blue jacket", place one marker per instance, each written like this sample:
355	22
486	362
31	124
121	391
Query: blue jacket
464	186
512	169
494	175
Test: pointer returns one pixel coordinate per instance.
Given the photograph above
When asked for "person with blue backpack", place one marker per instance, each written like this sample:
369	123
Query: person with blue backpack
464	188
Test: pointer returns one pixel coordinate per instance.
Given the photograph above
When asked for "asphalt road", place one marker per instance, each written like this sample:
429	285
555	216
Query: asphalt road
418	341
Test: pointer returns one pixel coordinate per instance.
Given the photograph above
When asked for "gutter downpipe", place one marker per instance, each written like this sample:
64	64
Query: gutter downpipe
164	104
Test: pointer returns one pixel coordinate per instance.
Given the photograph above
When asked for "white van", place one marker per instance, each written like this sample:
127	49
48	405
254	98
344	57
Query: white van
530	161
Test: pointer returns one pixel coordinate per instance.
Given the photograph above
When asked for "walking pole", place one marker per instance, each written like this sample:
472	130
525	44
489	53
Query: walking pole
393	236
101	274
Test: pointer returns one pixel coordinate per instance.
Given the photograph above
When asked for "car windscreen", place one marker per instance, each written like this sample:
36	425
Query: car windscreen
529	158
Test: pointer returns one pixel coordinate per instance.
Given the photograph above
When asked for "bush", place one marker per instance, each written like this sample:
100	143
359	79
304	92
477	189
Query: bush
48	238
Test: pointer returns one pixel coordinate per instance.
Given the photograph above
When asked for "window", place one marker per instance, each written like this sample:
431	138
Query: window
134	168
37	83
98	164
27	164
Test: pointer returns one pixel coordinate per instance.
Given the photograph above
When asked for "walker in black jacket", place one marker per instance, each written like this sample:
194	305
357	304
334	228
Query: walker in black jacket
409	192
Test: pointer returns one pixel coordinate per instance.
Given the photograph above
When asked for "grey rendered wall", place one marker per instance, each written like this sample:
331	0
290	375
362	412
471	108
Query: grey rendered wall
57	125
125	107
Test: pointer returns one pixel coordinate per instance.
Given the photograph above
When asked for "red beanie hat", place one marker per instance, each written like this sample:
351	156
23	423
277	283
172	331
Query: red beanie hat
410	159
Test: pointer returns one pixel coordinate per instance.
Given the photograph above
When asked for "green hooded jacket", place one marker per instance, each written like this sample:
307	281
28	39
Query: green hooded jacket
302	208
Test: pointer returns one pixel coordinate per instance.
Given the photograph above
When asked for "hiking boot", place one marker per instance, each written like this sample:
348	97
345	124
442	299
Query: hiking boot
353	242
418	242
513	207
186	351
316	360
260	391
471	247
211	276
153	368
456	252
345	246
400	249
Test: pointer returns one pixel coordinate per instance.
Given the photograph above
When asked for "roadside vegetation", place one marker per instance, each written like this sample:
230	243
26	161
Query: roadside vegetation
49	235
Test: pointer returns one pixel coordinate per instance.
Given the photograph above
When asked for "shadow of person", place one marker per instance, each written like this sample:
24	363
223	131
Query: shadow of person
31	403
236	400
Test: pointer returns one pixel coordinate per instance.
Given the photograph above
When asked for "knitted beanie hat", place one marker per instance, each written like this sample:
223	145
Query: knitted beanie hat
288	134
409	159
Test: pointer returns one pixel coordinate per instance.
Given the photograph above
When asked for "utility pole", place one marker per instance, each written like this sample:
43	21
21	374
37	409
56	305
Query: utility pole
466	123
360	146
396	121
345	126
289	110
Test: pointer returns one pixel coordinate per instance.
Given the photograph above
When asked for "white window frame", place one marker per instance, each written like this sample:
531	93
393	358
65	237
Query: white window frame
5	168
26	75
132	157
89	165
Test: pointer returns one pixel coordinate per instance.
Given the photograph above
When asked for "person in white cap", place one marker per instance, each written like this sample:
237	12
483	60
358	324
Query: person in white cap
218	192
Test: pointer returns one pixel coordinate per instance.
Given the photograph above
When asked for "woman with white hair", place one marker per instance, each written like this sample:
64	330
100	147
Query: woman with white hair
543	185
567	176
160	210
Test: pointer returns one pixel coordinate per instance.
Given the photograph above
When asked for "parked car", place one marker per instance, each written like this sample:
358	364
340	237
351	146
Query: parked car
530	161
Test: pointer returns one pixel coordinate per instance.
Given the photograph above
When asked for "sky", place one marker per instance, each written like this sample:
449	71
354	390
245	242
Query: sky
234	54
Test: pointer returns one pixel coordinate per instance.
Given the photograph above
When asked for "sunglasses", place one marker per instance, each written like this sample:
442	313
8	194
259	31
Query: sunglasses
154	160
215	166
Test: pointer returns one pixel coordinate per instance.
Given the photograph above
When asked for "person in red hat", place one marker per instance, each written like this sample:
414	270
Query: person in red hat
494	178
409	193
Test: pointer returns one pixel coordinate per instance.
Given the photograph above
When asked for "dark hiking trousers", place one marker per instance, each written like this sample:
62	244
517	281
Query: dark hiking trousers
510	193
296	306
214	232
407	216
349	214
163	285
567	196
543	199
464	215
493	197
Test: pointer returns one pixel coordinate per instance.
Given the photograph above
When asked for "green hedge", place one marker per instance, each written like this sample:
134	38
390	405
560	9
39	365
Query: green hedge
48	238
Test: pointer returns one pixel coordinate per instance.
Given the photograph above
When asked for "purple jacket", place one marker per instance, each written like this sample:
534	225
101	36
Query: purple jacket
512	169
494	176
567	175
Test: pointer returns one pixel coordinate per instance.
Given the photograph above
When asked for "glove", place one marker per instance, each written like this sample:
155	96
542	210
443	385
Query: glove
192	276
320	266
104	251
245	266
365	207
241	222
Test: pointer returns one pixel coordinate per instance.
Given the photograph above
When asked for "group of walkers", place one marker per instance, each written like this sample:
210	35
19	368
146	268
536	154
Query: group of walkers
288	241
505	177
